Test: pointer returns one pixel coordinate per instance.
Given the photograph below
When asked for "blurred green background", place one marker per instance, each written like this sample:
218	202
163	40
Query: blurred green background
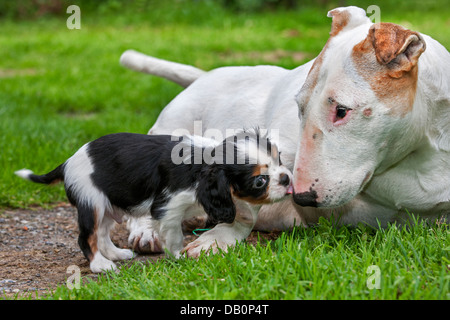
60	88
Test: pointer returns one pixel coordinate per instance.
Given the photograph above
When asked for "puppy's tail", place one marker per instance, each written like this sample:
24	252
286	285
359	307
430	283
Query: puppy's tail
52	177
181	74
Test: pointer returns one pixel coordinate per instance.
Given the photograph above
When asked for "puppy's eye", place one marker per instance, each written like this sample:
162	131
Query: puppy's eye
260	182
341	112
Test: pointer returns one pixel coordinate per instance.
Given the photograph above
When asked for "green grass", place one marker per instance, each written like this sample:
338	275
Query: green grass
317	263
60	88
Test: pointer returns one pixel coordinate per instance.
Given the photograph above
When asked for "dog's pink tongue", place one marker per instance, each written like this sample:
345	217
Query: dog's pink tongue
290	190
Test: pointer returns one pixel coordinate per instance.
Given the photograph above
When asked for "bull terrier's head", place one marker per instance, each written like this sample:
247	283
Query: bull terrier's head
356	108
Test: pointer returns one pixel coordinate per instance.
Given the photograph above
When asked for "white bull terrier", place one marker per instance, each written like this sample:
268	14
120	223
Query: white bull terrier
365	127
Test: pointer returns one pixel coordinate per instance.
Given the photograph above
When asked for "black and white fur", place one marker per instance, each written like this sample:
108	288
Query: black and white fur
134	174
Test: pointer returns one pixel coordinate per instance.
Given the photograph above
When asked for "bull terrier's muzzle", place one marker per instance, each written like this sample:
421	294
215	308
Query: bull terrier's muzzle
306	199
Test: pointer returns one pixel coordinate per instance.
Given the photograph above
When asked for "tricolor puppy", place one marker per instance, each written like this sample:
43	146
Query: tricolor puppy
169	178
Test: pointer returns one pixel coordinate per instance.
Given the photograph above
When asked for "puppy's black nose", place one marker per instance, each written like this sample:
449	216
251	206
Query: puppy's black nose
306	199
284	179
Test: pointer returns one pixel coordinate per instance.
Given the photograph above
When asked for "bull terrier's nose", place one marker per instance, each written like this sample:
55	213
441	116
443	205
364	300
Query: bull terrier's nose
284	179
306	199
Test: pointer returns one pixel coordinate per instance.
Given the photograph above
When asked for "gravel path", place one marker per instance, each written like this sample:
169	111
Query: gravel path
38	245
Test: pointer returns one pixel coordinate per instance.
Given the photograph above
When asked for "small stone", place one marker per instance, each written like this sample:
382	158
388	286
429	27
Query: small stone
8	281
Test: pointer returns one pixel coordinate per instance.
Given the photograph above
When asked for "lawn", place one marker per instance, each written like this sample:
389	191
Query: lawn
61	88
322	262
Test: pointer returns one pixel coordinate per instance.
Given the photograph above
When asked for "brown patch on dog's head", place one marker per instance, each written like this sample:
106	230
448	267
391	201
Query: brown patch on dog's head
260	169
262	199
387	59
340	20
346	18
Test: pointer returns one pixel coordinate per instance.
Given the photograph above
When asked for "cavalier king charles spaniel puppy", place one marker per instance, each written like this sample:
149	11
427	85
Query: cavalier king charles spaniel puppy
170	178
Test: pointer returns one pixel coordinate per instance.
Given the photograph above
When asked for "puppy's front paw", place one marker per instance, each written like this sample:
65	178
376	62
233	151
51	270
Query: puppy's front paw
101	264
208	244
124	254
144	240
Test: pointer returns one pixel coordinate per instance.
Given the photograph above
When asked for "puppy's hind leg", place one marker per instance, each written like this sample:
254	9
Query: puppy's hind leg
106	246
88	222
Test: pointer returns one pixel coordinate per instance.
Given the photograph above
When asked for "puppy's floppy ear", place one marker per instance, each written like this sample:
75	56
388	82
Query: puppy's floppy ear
214	194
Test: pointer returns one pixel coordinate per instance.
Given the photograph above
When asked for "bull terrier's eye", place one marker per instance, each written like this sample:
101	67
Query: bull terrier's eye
341	112
260	182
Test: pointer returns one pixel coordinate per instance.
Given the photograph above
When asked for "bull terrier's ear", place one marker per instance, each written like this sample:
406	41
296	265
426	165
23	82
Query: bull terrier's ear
346	18
396	47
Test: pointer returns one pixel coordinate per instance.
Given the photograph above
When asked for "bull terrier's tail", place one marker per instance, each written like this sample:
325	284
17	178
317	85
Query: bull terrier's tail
181	74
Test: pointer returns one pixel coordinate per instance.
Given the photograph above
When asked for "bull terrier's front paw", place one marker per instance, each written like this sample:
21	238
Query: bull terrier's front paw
145	240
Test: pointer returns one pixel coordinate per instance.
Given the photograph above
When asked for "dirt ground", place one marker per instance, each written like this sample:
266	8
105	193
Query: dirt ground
38	245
